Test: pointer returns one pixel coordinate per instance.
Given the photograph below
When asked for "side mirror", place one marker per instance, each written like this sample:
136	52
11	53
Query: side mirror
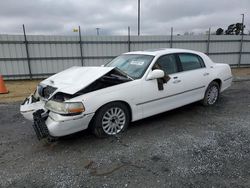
157	73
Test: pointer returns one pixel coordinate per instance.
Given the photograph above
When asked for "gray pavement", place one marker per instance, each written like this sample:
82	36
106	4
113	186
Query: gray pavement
193	146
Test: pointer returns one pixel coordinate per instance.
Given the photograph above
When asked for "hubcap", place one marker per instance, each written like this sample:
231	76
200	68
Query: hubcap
113	121
212	95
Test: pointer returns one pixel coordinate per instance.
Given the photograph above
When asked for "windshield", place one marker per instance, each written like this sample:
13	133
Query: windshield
134	65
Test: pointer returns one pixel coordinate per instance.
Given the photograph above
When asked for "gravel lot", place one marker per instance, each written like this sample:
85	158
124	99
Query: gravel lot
193	146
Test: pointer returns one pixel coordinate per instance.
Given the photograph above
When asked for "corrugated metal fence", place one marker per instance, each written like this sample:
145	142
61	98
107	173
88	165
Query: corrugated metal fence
40	56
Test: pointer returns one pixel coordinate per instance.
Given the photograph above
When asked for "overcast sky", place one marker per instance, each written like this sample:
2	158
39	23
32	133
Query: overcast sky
113	16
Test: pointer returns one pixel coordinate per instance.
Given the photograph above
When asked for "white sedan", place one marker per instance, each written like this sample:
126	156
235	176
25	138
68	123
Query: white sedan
133	86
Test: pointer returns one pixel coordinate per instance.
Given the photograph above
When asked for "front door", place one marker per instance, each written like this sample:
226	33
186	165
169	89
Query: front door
157	95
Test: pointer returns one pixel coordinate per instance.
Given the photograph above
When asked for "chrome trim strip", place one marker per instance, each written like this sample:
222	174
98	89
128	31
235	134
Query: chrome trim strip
228	78
170	95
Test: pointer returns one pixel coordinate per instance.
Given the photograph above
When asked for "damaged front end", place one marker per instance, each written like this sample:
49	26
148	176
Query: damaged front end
31	105
33	109
50	109
52	115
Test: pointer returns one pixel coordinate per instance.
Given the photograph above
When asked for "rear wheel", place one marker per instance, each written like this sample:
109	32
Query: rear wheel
111	119
212	94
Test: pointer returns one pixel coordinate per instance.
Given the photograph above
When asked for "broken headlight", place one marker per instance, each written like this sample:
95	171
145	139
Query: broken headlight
65	107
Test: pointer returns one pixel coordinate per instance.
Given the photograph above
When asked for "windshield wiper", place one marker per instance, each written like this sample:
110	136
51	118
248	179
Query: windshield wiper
123	73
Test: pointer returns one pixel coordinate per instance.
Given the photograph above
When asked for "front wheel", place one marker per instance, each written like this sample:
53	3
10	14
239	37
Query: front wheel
111	119
212	94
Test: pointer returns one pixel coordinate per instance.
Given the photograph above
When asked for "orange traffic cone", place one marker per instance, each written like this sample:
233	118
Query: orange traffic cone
3	89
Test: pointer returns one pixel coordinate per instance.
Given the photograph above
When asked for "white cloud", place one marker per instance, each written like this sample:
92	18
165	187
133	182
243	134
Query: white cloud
114	16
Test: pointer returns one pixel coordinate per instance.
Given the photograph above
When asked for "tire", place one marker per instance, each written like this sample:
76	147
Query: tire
212	94
111	119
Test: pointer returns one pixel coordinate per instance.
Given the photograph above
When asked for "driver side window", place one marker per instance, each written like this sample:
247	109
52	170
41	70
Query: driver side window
167	63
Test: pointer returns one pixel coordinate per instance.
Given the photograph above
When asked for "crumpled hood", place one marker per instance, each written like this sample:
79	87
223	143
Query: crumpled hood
75	78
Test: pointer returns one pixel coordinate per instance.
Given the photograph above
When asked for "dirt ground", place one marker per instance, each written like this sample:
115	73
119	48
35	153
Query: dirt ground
241	71
19	90
193	146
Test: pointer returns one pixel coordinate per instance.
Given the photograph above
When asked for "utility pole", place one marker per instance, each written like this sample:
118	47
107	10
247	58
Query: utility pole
139	12
97	31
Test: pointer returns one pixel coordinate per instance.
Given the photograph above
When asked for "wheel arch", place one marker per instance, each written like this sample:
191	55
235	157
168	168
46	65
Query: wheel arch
120	101
204	100
218	81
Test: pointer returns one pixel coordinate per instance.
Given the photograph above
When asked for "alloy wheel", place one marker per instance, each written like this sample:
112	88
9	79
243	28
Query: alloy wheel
113	120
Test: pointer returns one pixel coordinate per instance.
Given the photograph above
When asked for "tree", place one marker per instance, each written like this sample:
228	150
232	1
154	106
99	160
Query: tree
219	31
233	29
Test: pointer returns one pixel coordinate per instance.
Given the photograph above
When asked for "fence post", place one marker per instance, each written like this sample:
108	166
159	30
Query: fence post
240	52
128	38
171	38
27	51
80	41
241	41
208	40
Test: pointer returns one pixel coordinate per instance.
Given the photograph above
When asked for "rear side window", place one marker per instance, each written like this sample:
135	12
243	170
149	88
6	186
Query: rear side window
167	63
191	61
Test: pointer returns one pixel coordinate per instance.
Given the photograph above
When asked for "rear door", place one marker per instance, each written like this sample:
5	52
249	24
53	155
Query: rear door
194	76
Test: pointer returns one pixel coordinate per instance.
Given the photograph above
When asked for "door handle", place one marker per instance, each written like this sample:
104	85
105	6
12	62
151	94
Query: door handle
206	74
176	81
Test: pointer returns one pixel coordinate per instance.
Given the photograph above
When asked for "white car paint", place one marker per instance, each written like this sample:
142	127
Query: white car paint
75	78
29	108
142	95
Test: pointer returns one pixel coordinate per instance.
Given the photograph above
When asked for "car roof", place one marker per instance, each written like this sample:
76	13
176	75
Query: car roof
162	51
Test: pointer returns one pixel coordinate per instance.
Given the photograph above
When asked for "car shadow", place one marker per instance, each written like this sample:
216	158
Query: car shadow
87	136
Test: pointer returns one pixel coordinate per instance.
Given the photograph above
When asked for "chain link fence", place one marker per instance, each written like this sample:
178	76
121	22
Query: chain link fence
37	56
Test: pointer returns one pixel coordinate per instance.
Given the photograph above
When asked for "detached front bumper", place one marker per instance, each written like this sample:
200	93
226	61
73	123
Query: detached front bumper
55	125
59	125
